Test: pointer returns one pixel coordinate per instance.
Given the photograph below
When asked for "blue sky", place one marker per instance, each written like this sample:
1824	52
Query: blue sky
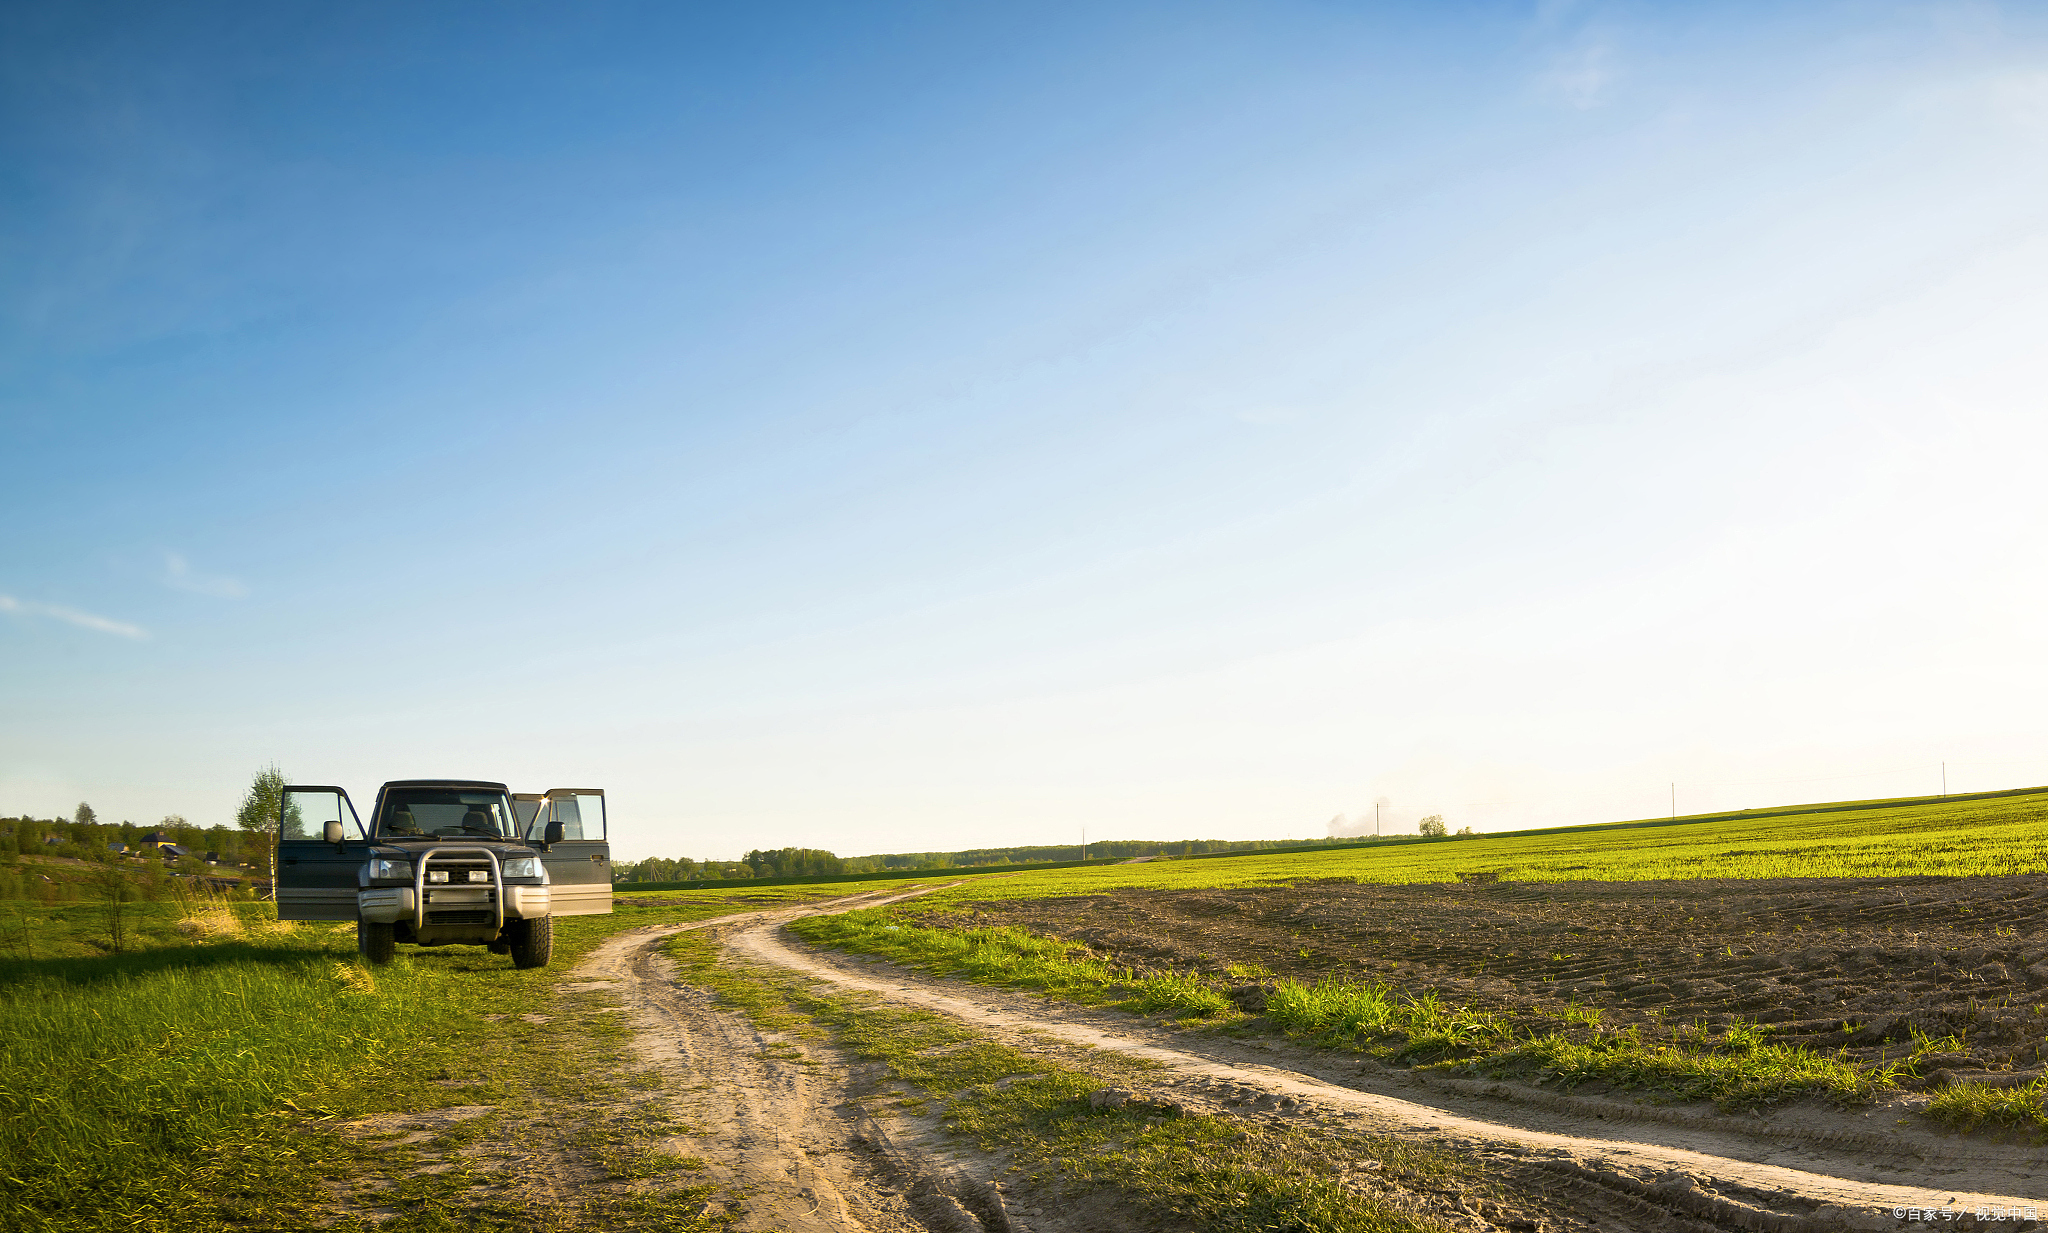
903	427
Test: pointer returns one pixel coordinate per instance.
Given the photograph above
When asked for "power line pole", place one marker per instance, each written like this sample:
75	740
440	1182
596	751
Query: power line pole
1375	819
1944	779
1674	800
1084	843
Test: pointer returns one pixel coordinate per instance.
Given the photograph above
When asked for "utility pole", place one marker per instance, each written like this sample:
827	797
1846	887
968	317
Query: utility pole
1674	800
1944	779
1084	843
1375	820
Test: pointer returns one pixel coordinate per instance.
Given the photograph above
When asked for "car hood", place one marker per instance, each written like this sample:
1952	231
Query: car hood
410	848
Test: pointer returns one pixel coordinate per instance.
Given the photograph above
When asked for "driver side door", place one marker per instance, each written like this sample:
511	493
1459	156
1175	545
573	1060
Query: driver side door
316	874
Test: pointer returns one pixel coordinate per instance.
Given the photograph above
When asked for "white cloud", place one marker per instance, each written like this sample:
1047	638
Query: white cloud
1580	77
1580	72
178	573
72	616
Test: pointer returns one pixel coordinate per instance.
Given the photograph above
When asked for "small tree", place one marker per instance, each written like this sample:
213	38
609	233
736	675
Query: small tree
1466	832
113	884
1433	826
260	814
84	815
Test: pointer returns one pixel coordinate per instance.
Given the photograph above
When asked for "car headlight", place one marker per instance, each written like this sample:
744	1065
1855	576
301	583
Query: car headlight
383	867
522	867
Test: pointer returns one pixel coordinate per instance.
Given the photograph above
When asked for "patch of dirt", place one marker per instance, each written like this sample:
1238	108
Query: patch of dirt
771	1123
1964	957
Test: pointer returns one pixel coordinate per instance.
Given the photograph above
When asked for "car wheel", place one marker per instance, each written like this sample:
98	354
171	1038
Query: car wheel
533	942
376	943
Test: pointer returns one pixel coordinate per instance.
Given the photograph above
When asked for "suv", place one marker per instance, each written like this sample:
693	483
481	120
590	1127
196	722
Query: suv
446	861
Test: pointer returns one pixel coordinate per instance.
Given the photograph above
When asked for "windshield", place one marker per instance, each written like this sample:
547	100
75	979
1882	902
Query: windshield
442	812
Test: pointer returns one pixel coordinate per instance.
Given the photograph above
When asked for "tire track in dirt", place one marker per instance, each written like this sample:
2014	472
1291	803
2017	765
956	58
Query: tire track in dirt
778	1129
1721	1175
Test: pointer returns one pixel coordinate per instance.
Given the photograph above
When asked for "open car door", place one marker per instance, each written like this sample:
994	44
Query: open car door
578	856
320	846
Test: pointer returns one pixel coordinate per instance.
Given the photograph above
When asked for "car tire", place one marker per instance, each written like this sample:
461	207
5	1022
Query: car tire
533	942
377	944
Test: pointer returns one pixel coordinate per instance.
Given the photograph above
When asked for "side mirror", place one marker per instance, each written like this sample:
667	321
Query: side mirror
331	832
553	834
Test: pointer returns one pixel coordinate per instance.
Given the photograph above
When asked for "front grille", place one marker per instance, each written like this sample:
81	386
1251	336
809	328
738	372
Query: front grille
460	918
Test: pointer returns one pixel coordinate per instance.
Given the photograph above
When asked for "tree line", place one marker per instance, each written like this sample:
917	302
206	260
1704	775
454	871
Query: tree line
84	837
814	862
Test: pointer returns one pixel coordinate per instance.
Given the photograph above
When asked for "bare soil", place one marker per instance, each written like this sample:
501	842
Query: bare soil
1859	964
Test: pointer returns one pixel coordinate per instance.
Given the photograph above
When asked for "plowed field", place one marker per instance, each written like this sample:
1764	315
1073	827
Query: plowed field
1860	964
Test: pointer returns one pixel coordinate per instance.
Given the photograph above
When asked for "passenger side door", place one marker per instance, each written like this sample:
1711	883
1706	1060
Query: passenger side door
320	847
579	855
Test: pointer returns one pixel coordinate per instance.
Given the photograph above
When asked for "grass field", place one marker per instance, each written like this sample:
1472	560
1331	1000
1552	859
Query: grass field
172	1087
2002	835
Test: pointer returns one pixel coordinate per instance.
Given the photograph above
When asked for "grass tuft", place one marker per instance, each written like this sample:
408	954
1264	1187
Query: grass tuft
1967	1106
1177	991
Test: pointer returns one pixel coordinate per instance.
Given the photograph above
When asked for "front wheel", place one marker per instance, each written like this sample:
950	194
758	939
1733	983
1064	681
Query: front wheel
376	943
533	941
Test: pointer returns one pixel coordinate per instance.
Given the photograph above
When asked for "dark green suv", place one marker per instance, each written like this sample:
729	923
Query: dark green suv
445	862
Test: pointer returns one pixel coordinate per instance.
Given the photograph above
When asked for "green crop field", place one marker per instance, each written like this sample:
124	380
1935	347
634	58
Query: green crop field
1955	837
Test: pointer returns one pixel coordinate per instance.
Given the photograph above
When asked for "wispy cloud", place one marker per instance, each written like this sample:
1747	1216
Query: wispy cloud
178	573
72	616
1580	76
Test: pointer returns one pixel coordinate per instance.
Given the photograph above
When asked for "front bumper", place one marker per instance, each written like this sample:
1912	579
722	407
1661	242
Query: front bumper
386	905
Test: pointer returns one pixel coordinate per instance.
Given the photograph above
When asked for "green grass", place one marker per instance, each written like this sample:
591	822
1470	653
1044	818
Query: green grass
132	1083
1966	1106
1740	1069
1206	1172
1003	955
91	927
182	1084
716	898
1957	838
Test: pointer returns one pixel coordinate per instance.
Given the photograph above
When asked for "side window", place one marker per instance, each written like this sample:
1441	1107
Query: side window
589	807
580	813
530	821
307	811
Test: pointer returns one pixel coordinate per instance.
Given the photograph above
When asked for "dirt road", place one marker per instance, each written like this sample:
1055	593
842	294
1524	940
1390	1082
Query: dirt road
780	1120
791	1125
